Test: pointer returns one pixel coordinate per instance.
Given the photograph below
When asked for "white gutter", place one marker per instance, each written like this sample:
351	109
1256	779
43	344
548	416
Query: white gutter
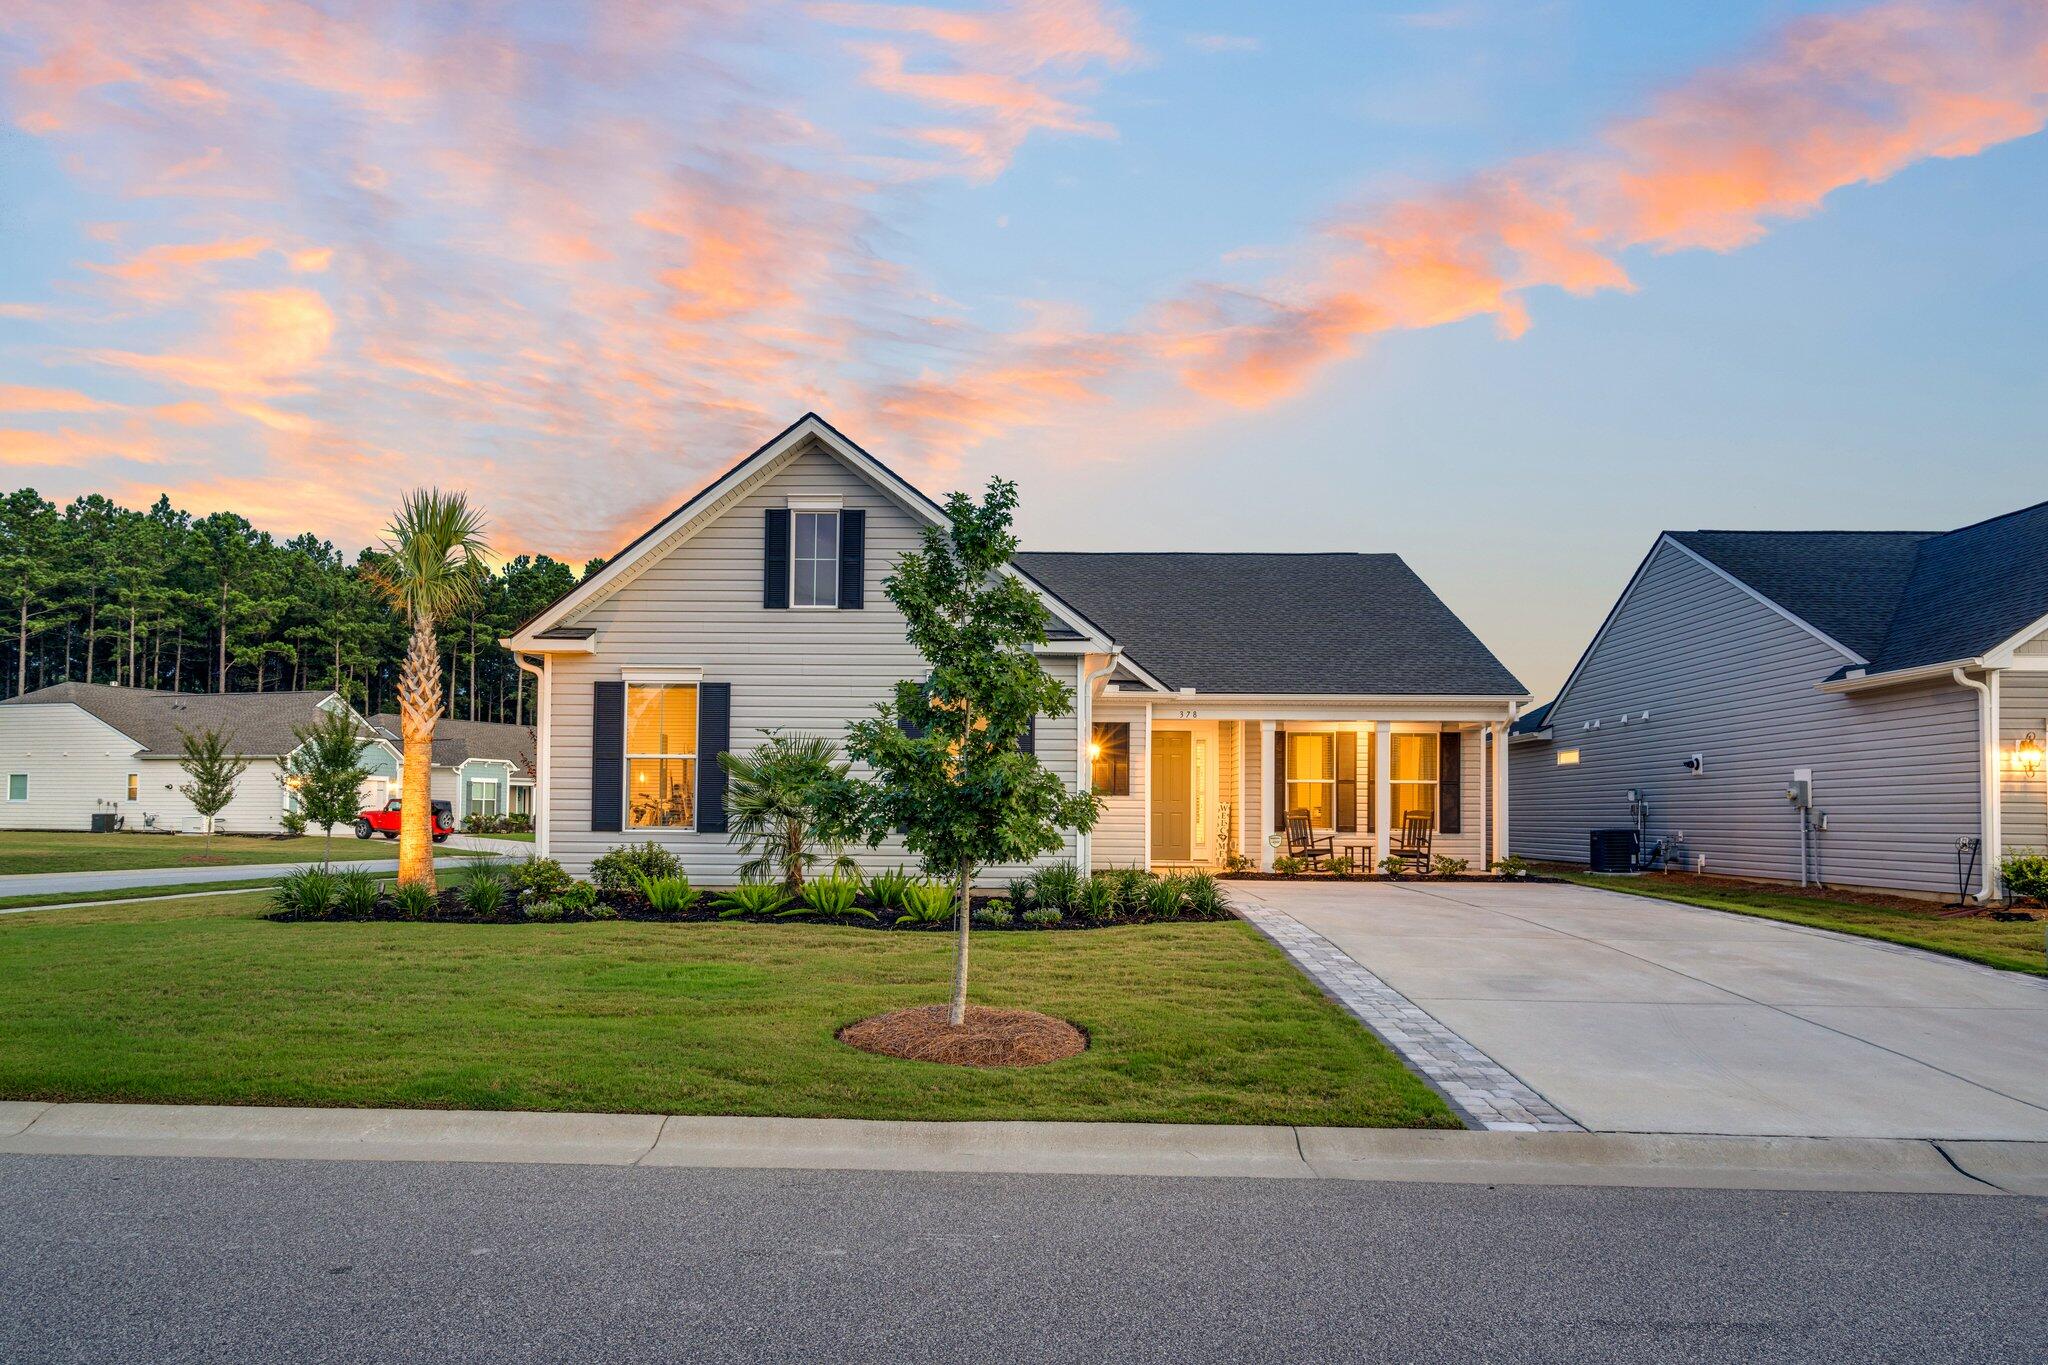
1084	729
540	752
1859	681
1987	774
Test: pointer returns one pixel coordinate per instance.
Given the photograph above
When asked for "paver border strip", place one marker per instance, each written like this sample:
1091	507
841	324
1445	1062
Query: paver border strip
1482	1091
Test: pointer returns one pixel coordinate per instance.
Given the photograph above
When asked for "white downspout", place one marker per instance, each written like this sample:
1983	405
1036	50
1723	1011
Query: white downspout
1084	726
1987	775
540	752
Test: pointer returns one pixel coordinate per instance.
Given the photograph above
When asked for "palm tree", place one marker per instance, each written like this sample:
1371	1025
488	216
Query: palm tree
431	568
777	802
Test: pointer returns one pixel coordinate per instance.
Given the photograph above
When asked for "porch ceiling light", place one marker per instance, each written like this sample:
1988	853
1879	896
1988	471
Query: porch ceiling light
2026	755
1094	748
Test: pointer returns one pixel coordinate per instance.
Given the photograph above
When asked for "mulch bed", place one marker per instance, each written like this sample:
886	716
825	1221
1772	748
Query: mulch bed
990	1037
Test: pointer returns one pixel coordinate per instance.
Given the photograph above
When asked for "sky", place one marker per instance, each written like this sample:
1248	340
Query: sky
1505	288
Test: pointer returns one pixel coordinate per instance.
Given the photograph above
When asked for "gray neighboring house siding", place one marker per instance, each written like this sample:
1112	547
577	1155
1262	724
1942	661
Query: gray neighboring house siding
2023	708
1724	675
801	671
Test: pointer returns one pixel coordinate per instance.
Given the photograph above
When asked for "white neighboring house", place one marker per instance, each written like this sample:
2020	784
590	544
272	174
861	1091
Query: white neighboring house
481	768
77	750
1214	693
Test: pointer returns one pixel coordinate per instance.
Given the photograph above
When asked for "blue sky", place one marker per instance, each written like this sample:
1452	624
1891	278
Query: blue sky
1503	288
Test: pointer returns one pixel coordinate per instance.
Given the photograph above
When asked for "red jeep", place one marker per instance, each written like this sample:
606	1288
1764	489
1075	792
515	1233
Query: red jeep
385	821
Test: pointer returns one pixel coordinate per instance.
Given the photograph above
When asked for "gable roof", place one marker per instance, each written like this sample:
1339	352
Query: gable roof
259	724
1844	584
1294	624
458	741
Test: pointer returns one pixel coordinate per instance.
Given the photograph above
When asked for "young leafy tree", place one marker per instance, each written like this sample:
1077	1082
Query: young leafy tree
326	772
948	769
780	804
215	769
431	569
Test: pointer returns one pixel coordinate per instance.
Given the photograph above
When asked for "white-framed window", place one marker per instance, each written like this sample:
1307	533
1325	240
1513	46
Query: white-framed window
1567	757
1312	776
17	786
483	797
813	559
1413	774
661	755
135	786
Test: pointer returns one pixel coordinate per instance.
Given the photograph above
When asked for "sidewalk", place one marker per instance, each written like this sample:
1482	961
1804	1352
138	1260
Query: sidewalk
1174	1150
58	883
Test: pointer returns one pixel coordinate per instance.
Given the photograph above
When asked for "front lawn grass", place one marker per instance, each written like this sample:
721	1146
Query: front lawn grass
204	1001
2013	945
24	850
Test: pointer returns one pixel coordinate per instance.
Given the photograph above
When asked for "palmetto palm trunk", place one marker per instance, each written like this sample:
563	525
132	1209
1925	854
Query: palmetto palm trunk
419	704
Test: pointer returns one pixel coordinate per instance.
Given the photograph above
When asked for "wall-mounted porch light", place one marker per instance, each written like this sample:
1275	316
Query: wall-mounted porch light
2026	755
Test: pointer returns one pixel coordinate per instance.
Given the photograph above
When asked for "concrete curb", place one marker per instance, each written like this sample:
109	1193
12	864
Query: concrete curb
1645	1160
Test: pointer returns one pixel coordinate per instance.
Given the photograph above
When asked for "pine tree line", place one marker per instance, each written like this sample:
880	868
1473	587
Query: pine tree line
96	592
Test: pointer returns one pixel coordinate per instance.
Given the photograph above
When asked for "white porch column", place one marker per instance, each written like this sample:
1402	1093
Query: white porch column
1258	824
1487	782
1500	792
1382	789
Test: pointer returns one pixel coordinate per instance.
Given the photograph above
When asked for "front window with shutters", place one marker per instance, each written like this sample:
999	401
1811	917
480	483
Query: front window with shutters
814	559
661	755
1414	776
1312	777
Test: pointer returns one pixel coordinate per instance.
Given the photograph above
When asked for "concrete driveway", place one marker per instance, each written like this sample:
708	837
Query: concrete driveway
1639	1015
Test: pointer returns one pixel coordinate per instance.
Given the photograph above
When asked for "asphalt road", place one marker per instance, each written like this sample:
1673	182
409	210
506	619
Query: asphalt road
191	1259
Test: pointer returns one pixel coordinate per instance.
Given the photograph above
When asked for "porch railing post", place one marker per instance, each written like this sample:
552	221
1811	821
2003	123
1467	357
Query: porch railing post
1382	789
1265	815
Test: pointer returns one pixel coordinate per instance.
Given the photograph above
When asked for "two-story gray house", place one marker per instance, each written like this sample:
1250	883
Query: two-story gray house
1213	693
1895	682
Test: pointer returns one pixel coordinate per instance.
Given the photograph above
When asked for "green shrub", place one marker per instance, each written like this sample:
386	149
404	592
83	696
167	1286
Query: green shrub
890	888
1393	867
621	868
1127	885
927	902
995	915
1022	889
486	892
669	895
1044	917
1511	866
1446	866
752	898
293	822
831	897
414	901
541	878
356	892
1287	865
599	910
1338	865
1163	897
1204	898
1097	898
307	893
547	912
2025	875
1054	887
579	898
1238	862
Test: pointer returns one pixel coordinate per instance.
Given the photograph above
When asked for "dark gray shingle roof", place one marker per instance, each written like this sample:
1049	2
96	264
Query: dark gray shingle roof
457	741
1288	623
259	724
1900	599
1532	721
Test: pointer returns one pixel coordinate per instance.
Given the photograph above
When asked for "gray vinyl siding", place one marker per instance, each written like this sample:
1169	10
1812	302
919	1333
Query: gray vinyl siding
1723	675
2023	801
810	672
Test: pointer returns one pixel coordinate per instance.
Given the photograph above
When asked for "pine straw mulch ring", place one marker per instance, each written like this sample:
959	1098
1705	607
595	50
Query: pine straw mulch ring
990	1037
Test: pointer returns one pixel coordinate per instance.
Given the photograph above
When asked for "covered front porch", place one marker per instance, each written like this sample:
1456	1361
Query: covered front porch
1194	782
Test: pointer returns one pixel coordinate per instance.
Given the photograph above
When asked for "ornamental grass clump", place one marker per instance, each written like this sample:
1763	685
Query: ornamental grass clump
926	902
1163	897
307	893
1096	900
414	900
356	892
1055	886
486	892
890	889
757	899
831	897
669	895
1203	897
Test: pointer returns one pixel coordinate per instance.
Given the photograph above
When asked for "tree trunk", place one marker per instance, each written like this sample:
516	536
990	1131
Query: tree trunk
961	917
419	704
21	664
92	635
131	646
223	675
472	668
178	663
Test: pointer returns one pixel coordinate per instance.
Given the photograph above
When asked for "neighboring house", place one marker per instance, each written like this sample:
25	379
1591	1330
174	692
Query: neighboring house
481	768
1902	674
1213	691
76	750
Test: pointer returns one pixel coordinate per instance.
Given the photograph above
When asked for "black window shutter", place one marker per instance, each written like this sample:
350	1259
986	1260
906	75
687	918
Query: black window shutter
607	755
1279	778
1029	742
714	737
853	560
775	558
1450	783
1347	782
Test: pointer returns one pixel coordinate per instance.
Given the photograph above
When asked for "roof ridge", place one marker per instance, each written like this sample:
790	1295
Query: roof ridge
1227	554
1986	521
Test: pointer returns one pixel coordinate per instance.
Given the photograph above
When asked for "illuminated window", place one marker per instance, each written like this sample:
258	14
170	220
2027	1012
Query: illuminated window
1109	758
661	755
814	559
1567	758
134	786
1312	777
1413	774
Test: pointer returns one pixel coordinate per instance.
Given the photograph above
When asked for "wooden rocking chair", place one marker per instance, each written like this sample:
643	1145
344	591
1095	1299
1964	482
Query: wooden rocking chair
1302	841
1412	848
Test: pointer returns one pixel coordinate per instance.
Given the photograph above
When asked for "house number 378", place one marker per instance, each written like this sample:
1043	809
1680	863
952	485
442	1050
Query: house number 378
1188	715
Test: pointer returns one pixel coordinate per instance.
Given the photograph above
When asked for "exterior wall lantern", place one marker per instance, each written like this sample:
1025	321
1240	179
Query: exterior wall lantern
2026	755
